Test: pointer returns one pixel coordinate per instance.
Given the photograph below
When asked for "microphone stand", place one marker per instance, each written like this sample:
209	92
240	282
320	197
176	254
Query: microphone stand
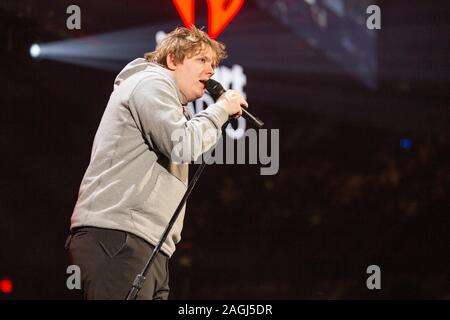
140	278
215	89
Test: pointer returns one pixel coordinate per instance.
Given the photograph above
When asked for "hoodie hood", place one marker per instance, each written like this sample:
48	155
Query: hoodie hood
133	67
141	64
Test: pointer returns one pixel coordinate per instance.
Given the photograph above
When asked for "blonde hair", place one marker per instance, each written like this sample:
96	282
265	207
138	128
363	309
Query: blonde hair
183	42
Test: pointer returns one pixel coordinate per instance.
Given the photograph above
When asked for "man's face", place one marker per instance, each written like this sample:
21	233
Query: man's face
192	71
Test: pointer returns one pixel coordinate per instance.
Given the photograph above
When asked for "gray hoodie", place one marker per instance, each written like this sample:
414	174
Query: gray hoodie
132	182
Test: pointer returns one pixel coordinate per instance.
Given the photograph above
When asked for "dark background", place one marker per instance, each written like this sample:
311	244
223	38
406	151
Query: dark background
347	195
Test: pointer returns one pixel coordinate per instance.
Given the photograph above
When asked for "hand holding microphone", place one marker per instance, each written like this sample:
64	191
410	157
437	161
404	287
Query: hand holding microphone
232	101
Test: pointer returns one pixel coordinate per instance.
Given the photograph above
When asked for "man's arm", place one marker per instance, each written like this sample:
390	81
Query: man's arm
160	117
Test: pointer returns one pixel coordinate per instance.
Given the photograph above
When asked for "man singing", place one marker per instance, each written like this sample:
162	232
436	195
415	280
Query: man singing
136	177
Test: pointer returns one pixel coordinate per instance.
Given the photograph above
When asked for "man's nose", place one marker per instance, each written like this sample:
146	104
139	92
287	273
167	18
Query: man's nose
210	70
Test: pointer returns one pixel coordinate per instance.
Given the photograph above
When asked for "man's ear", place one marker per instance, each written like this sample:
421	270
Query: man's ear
171	61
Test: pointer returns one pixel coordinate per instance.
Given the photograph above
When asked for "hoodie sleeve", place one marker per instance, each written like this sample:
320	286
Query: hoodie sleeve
159	115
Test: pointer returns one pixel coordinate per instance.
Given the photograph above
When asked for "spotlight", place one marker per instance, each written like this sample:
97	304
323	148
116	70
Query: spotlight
6	286
35	50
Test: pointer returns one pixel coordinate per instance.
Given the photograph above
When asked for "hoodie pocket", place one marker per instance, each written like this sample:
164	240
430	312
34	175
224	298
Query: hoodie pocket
161	203
166	195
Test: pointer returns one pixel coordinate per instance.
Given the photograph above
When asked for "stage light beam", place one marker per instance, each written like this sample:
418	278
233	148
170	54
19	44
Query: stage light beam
35	50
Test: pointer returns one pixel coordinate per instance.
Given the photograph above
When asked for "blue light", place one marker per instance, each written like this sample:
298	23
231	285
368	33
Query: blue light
406	143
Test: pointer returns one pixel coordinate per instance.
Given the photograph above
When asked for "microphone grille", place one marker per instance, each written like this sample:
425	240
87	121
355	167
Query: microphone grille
214	88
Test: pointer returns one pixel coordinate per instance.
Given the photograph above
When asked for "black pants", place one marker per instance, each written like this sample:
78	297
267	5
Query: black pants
109	260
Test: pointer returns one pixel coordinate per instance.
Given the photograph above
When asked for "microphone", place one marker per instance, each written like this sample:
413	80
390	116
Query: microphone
215	89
